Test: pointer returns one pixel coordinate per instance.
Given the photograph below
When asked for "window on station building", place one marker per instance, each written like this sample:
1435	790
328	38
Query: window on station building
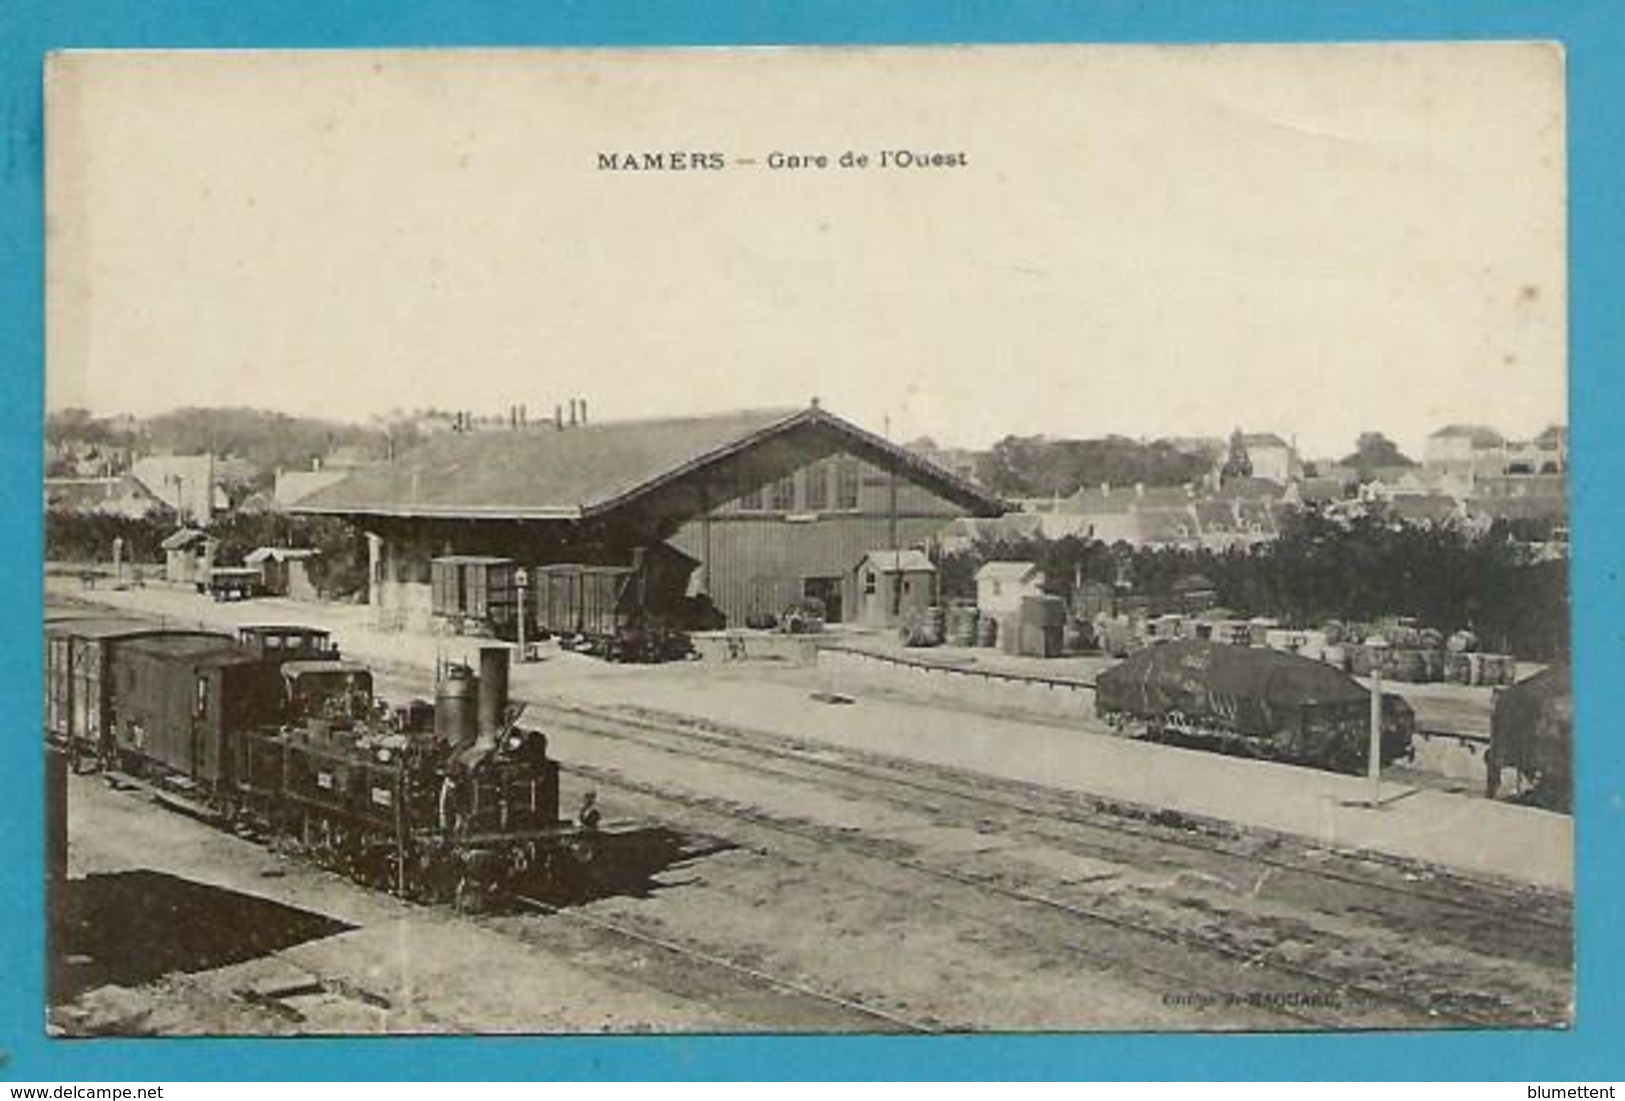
846	484
815	488
869	583
783	497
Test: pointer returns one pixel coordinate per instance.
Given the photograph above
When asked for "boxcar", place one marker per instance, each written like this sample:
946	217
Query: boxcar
1254	701
1532	731
79	655
475	594
584	600
181	702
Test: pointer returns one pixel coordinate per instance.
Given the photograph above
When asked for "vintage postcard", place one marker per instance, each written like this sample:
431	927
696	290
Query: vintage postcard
979	539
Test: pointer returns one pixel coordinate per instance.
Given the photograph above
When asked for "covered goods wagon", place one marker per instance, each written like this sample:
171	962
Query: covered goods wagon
1252	701
1532	731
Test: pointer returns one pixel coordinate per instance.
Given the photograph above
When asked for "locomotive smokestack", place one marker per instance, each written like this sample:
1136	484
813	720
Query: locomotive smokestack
493	692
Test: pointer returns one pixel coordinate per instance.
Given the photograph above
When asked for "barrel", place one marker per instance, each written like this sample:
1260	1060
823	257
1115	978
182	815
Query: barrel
935	623
962	625
1009	634
987	631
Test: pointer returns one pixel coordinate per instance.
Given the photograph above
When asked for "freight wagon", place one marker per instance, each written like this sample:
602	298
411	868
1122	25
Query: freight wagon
1252	702
1532	731
475	594
79	655
622	613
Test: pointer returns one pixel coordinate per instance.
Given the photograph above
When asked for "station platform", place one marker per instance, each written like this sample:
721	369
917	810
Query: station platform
1456	831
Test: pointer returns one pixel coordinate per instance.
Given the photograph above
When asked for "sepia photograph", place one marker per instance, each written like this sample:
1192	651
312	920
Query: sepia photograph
976	539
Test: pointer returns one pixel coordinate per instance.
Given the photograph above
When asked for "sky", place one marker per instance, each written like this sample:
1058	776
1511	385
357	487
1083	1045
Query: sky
1152	241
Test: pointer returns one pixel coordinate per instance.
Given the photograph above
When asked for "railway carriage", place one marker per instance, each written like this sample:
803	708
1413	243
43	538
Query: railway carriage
1532	732
79	667
1252	702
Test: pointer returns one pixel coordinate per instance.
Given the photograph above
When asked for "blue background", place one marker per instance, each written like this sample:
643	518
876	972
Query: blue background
1594	34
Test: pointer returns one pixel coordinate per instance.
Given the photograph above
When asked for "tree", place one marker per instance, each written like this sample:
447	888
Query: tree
1236	464
1373	450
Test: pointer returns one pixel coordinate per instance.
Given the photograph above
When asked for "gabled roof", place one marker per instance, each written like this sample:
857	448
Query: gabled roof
1482	435
185	537
1262	439
1557	434
278	554
1013	572
899	561
584	471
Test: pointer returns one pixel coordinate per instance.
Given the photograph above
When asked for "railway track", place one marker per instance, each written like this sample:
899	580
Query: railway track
1130	843
875	1018
1123	831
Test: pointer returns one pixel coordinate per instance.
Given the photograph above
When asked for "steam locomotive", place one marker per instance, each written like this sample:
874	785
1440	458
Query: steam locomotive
1251	702
273	733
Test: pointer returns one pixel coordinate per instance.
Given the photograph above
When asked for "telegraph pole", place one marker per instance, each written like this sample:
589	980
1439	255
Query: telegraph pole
1378	648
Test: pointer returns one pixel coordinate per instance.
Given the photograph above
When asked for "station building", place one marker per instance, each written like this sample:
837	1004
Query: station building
767	508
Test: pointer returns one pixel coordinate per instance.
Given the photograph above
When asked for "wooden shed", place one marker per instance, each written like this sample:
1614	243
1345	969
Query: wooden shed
285	571
1000	586
893	587
188	556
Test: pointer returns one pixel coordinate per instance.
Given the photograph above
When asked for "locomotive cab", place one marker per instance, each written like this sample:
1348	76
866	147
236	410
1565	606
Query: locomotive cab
335	692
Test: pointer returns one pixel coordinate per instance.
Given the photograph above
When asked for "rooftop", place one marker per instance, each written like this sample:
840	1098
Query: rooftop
1482	435
544	472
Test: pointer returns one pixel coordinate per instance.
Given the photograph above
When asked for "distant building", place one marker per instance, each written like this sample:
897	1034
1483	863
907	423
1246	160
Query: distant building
1272	457
1000	586
1468	449
186	483
123	495
1241	515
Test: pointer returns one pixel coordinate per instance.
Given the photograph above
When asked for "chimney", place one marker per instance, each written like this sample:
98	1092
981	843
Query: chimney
572	412
583	410
524	418
558	416
493	705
